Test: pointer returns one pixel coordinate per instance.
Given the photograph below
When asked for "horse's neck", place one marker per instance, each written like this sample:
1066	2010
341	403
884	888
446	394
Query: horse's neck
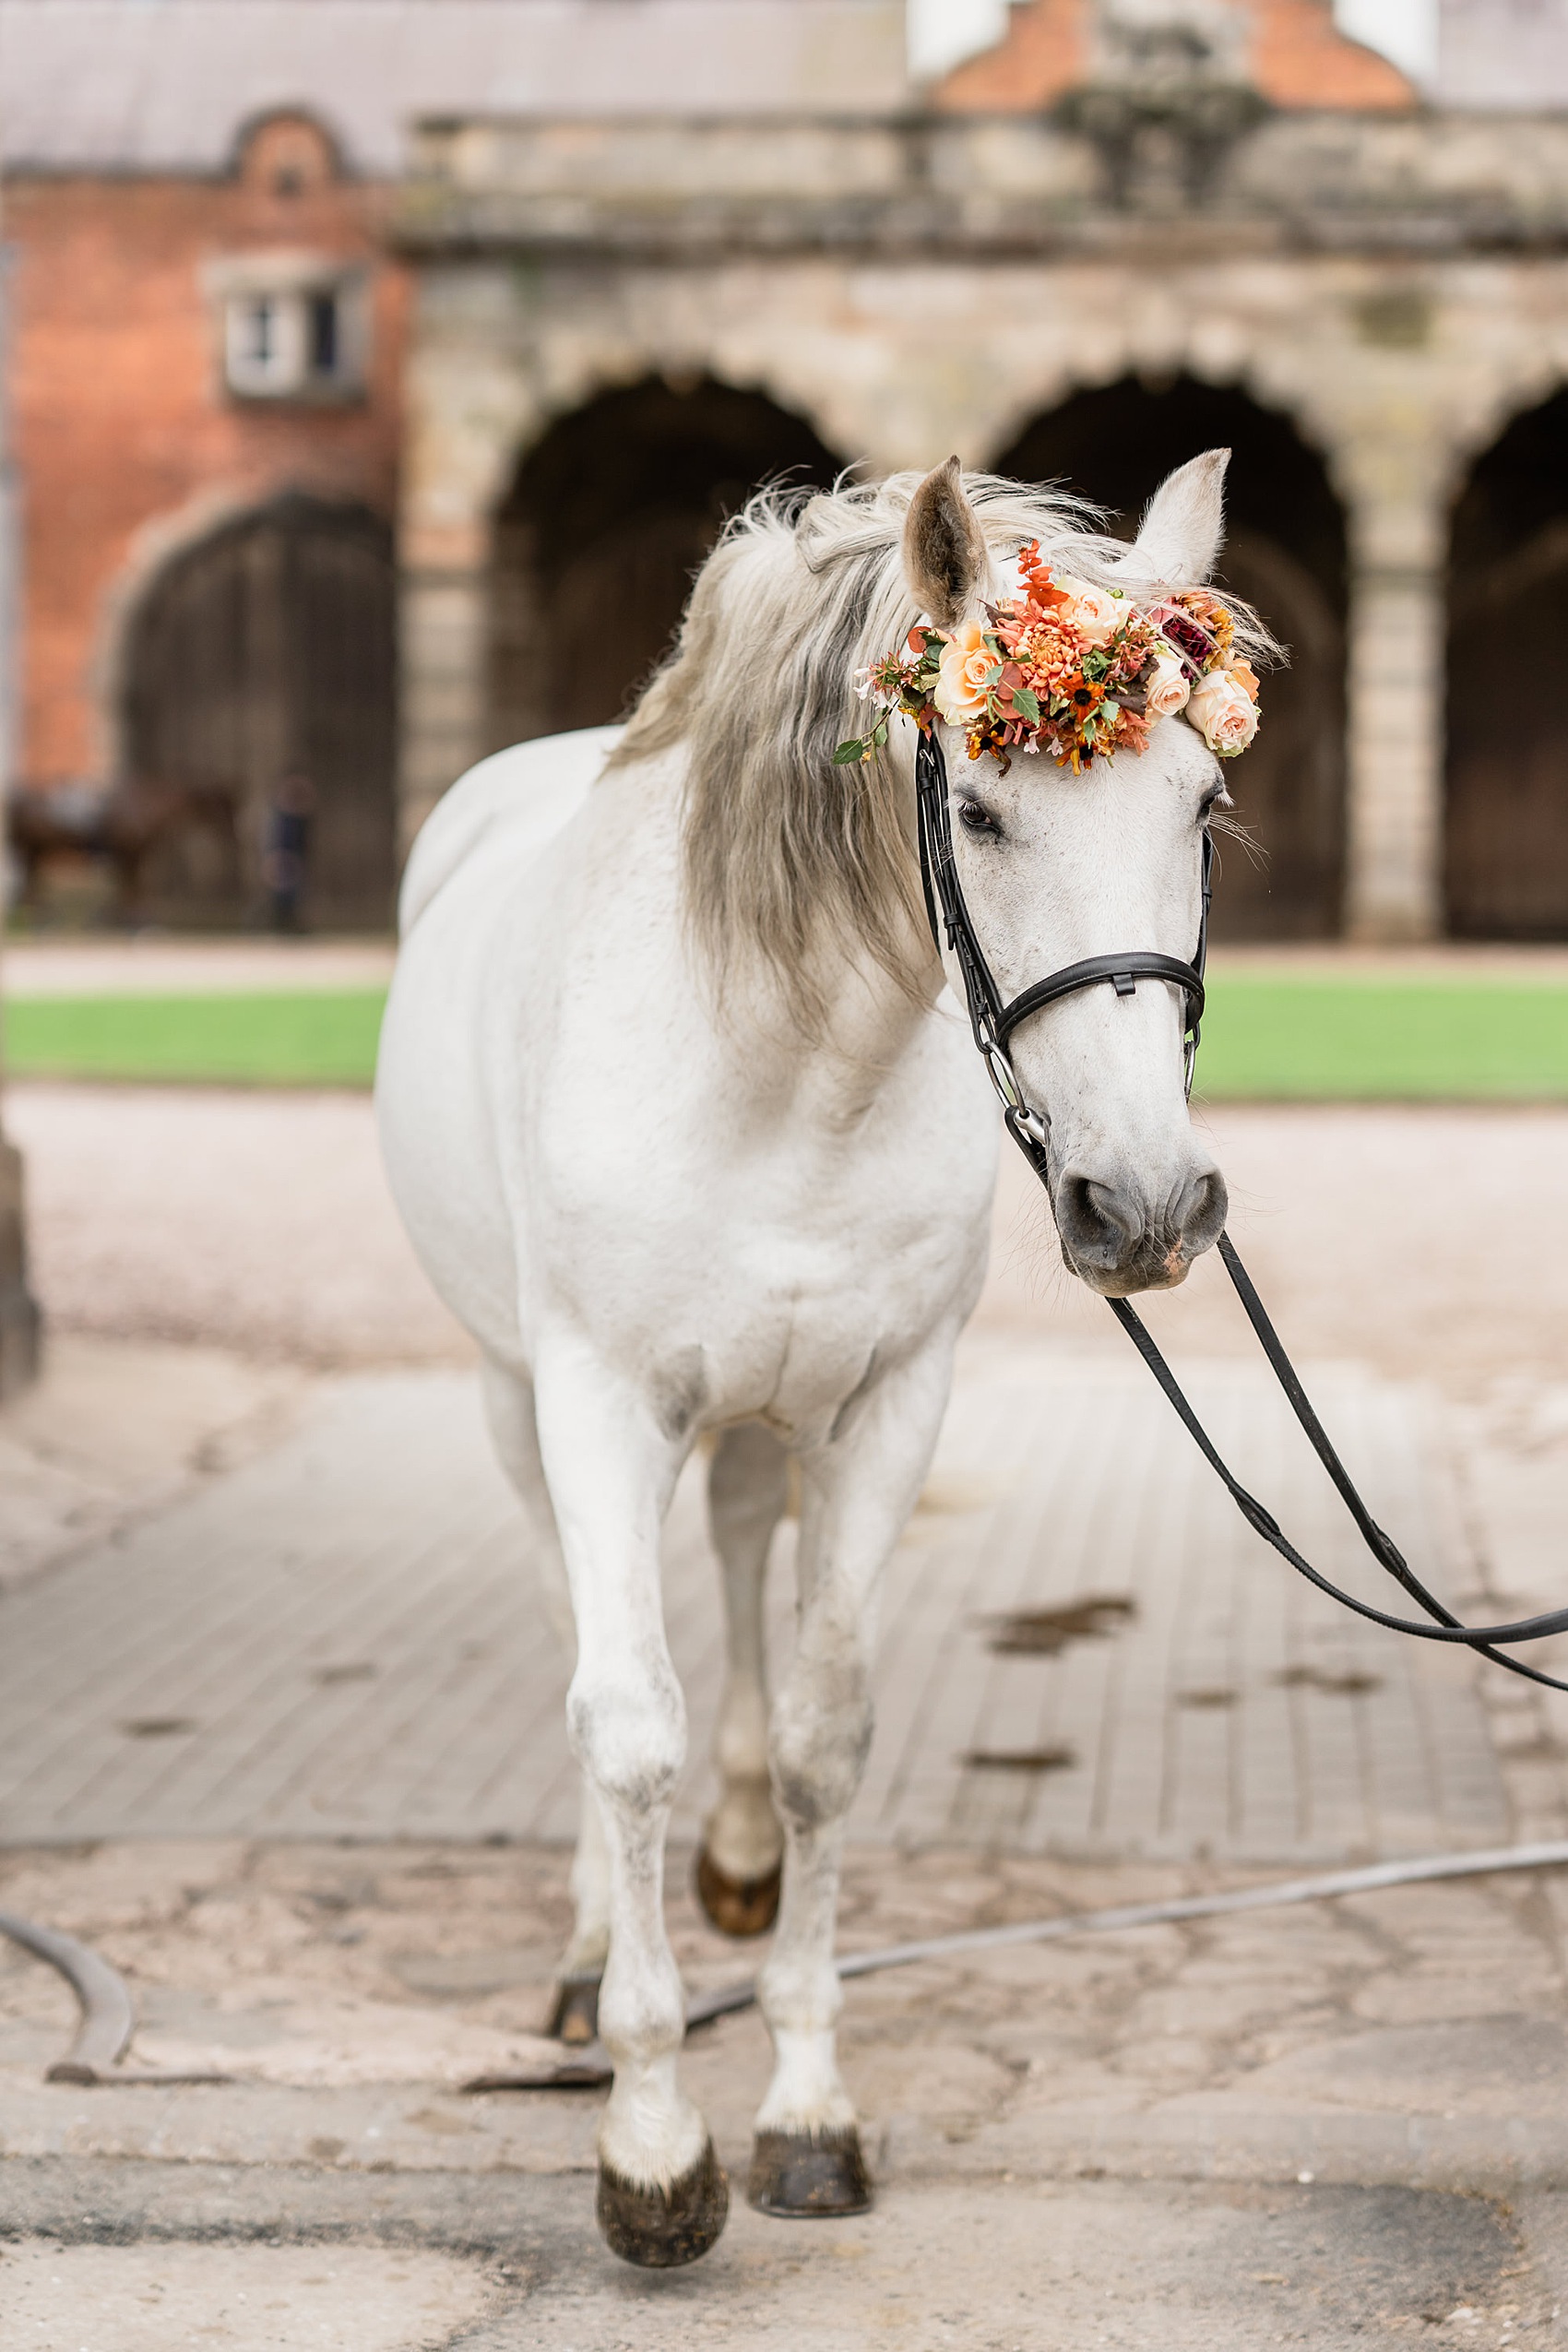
872	1027
871	1024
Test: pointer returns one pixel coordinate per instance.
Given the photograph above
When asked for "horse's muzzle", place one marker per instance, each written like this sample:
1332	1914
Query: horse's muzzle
1117	1240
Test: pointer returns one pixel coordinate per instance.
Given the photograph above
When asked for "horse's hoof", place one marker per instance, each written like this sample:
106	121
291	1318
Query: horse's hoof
662	2229
575	2018
737	1905
799	2174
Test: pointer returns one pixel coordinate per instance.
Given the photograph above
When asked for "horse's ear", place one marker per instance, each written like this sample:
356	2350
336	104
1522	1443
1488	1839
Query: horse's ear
944	549
1186	523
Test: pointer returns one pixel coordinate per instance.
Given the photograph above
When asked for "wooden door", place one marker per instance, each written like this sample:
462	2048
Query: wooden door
1507	846
265	653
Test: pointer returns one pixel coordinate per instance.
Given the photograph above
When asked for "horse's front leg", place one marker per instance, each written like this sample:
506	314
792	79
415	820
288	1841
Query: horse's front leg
662	2199
858	1493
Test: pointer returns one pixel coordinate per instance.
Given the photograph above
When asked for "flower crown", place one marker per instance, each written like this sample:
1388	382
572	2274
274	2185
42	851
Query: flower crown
1074	670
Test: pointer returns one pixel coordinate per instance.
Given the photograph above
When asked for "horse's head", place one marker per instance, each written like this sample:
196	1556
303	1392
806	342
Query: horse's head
1056	867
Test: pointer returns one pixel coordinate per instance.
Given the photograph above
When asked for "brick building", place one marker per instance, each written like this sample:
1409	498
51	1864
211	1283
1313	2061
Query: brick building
206	423
207	344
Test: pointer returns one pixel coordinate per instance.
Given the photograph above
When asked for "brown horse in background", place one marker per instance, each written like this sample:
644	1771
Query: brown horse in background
119	826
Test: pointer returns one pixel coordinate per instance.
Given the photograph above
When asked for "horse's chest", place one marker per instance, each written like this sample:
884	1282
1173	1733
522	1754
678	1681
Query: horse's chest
793	1312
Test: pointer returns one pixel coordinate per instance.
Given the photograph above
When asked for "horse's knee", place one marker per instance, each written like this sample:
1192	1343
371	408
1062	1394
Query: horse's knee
820	1737
629	1735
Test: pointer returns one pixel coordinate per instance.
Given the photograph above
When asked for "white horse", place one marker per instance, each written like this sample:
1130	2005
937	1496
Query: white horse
687	1132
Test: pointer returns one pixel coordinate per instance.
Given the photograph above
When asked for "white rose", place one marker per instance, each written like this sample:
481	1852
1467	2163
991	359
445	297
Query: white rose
1167	691
960	691
1093	611
1223	712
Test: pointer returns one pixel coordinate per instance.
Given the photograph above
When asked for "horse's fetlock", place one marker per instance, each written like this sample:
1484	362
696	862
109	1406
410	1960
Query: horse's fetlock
642	2021
651	2132
800	1994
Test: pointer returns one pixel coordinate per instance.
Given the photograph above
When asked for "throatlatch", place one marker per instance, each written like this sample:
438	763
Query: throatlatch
993	1021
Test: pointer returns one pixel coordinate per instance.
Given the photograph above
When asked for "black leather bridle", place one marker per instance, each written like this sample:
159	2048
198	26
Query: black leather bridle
992	1020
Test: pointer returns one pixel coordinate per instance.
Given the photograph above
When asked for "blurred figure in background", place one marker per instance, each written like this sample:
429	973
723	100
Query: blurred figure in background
286	852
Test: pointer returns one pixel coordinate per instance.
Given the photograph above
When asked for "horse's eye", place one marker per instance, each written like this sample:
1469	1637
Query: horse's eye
974	818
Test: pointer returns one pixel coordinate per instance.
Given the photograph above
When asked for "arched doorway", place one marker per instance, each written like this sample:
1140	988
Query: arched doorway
1507	845
1284	553
608	517
261	654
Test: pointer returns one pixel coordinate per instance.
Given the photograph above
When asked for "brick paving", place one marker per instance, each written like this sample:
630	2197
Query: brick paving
339	1638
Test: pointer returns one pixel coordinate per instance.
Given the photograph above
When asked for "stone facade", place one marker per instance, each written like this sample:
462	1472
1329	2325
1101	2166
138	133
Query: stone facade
1393	282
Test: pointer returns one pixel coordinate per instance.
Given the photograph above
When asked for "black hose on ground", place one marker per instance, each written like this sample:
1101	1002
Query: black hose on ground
107	2021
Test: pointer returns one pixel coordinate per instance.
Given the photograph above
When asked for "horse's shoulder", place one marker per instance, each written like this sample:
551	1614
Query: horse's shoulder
524	794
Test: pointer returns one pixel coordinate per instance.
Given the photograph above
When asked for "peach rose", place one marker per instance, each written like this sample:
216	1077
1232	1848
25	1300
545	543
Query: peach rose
967	663
1223	712
1167	691
1093	611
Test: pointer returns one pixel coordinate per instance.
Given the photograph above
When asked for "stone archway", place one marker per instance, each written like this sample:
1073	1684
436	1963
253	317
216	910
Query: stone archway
266	652
1284	553
1506	810
608	517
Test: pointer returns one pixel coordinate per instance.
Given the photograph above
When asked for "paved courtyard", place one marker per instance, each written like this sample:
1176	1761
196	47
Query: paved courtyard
341	1637
280	1734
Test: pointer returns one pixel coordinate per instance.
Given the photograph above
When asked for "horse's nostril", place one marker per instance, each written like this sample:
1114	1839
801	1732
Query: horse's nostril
1111	1230
1203	1214
1095	1221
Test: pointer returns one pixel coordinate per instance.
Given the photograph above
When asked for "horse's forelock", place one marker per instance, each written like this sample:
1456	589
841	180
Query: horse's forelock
786	855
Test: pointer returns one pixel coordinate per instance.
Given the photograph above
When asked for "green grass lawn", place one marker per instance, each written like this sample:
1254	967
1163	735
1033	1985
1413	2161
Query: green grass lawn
1267	1040
1356	1040
325	1037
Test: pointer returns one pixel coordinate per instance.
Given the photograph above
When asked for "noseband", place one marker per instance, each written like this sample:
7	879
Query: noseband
993	1021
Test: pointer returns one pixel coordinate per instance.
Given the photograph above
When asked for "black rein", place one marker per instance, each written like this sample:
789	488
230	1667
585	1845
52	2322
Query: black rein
993	1021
